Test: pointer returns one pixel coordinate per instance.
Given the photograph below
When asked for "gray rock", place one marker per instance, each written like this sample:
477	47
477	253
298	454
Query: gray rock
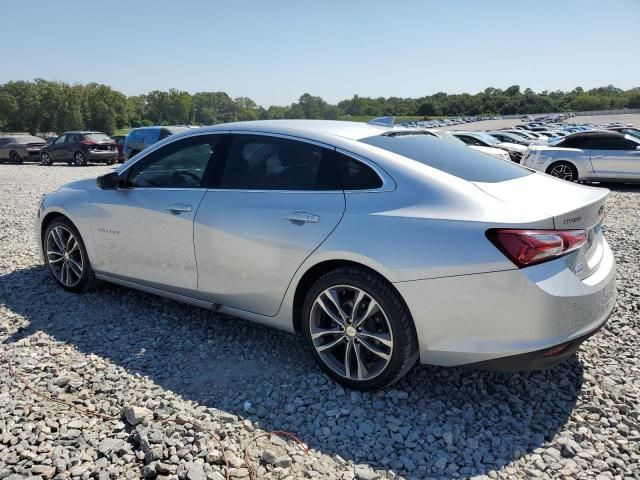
196	472
137	415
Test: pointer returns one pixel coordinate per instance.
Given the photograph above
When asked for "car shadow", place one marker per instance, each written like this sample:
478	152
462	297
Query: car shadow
475	421
622	187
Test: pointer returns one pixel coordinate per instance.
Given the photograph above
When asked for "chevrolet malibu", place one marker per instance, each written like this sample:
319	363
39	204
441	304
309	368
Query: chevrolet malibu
381	246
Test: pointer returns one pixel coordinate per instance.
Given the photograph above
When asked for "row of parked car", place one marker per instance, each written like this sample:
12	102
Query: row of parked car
447	122
80	147
574	152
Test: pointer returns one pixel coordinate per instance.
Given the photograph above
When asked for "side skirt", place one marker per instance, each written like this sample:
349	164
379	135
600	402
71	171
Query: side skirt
157	291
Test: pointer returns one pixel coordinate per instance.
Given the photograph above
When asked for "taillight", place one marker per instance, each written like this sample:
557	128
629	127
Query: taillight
88	142
528	247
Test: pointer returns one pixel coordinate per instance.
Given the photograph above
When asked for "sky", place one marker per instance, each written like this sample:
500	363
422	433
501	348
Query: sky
274	51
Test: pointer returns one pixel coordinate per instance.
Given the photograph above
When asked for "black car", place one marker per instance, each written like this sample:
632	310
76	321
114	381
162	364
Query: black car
78	148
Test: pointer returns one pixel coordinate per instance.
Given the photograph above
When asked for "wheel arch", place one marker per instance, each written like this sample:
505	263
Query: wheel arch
46	221
564	160
314	272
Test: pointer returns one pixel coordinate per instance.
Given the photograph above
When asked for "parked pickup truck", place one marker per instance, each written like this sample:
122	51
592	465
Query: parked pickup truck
598	156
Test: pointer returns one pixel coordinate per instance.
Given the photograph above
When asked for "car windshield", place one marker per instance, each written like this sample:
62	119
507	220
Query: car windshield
485	137
29	139
97	137
633	132
460	161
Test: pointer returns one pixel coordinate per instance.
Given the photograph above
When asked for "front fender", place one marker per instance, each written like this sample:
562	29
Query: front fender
74	205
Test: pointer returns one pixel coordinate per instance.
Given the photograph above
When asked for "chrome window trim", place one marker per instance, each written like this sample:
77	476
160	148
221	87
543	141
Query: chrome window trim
388	183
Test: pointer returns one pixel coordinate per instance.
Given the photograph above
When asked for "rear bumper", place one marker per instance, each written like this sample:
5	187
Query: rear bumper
101	156
538	360
476	319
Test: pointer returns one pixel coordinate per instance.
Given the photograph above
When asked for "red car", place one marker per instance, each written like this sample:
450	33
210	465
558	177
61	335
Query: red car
119	139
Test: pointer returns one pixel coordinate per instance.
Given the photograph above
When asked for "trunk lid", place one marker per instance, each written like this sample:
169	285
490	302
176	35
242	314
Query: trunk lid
570	205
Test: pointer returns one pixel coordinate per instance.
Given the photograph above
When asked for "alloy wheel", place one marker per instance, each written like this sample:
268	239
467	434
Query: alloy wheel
64	256
351	333
45	159
562	171
79	159
14	157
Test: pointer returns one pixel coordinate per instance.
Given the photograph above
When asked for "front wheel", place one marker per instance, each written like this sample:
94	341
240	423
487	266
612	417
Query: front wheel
79	160
66	255
563	170
45	159
359	330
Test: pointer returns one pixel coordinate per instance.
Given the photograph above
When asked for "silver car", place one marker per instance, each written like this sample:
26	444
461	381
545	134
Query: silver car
381	246
19	148
598	156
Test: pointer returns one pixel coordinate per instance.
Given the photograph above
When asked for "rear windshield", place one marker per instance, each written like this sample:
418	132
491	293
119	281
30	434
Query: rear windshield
29	139
97	137
463	162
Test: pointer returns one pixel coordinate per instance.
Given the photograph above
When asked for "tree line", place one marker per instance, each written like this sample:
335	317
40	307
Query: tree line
46	106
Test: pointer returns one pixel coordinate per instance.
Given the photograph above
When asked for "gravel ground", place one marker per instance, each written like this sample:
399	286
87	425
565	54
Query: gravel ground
632	118
115	350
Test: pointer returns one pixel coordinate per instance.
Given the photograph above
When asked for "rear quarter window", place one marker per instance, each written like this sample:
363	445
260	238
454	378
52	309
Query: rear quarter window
462	162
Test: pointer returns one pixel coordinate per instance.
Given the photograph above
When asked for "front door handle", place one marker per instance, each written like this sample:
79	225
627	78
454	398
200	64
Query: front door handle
178	208
302	217
599	156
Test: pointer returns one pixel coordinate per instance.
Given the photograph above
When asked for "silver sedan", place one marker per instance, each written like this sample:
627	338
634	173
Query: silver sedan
381	246
20	148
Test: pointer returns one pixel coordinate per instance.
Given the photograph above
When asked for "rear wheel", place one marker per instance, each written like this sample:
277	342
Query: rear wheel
66	255
358	329
563	170
111	161
79	160
15	157
45	159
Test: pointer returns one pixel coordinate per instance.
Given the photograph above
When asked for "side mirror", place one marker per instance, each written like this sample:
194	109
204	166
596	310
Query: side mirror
108	182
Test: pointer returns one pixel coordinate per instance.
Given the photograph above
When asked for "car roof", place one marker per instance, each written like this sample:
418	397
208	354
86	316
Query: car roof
595	133
311	129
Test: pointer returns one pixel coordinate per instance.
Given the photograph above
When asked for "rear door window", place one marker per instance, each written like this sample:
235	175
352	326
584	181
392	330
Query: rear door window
356	175
455	160
257	162
608	143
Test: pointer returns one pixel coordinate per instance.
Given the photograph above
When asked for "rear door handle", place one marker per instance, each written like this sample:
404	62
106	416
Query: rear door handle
178	208
599	156
302	217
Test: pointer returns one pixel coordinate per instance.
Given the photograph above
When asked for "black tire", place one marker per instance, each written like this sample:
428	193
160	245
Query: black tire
405	351
15	157
45	159
87	280
111	161
79	159
563	170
